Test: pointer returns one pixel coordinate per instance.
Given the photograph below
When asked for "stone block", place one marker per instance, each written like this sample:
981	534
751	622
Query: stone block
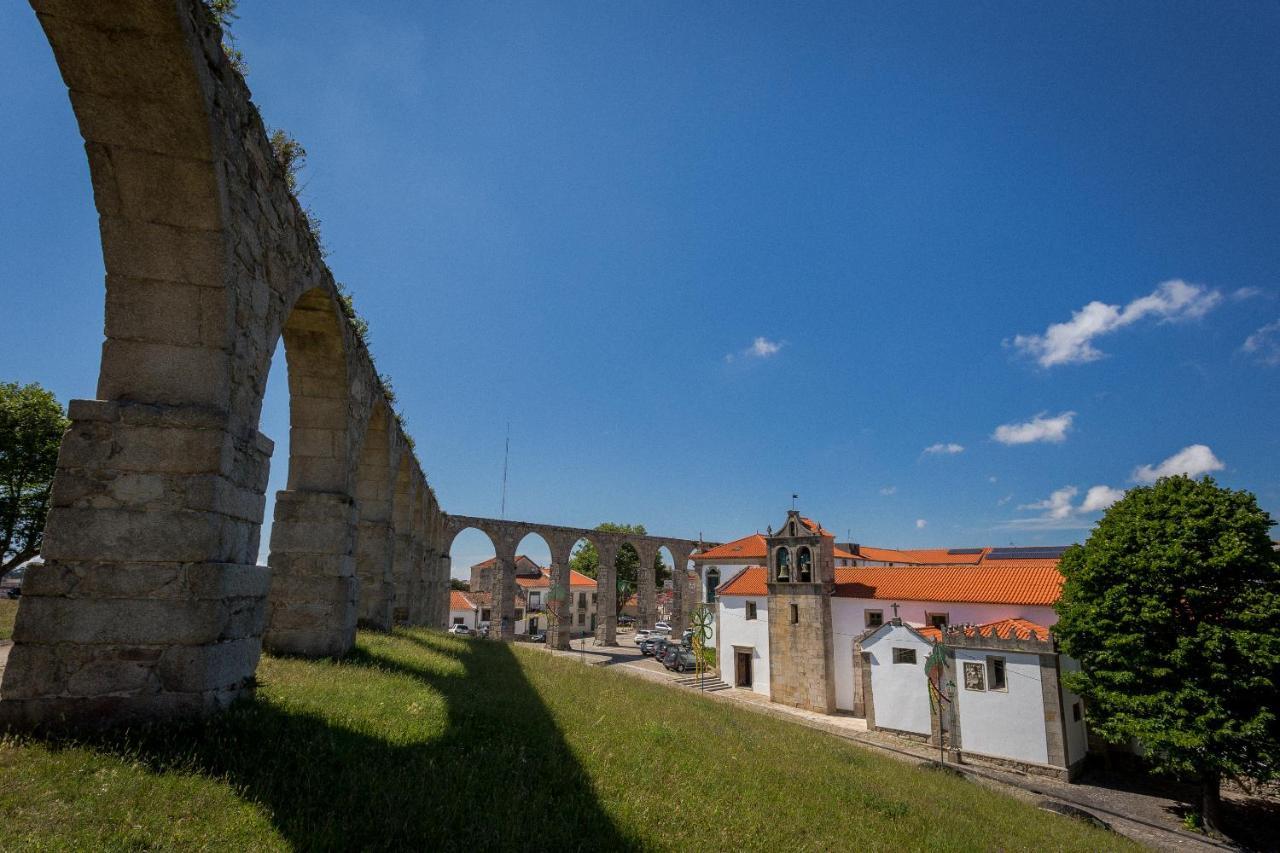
165	373
218	666
166	312
127	535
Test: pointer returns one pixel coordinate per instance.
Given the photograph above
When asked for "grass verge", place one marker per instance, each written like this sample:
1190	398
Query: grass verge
426	741
8	612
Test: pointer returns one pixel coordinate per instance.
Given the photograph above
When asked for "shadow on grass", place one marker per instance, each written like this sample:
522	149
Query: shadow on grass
500	776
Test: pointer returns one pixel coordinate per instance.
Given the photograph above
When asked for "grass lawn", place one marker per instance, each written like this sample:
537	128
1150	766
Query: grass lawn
426	741
8	610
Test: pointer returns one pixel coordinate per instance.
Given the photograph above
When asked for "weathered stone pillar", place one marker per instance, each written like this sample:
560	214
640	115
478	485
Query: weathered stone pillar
503	625
312	606
443	584
375	552
149	602
679	589
560	596
646	588
607	594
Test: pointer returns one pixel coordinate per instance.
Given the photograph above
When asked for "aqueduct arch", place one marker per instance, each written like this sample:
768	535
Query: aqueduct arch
151	602
506	536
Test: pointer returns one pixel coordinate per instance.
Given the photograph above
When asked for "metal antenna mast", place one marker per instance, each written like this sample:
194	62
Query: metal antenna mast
506	457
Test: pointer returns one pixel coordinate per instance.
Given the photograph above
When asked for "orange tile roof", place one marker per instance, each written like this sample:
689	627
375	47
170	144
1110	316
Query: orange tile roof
918	556
544	580
1005	629
747	548
751	547
749	581
458	600
1029	582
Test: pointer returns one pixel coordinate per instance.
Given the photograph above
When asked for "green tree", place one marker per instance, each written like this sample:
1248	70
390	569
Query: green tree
586	559
1172	608
459	584
31	428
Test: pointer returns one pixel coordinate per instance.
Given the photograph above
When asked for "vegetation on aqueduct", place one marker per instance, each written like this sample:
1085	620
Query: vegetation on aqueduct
419	740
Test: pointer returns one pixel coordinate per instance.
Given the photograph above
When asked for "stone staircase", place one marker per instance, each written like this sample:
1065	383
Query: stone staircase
712	683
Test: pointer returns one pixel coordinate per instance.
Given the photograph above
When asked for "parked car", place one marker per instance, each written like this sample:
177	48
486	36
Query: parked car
540	637
684	660
642	635
626	620
669	655
460	630
649	646
660	647
663	626
686	639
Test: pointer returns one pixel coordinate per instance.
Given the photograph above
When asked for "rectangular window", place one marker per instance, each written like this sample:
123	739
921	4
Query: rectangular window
875	618
995	674
751	610
594	597
458	620
582	618
582	600
535	599
1075	711
795	614
519	614
484	615
904	656
937	620
974	676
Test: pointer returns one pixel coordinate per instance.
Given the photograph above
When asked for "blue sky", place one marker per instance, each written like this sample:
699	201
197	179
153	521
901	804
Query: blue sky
703	256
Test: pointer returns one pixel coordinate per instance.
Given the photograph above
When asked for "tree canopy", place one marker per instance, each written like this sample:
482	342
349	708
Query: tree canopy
1172	608
31	428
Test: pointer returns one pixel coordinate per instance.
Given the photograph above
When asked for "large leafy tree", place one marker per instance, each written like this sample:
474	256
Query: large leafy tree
1172	608
31	427
586	559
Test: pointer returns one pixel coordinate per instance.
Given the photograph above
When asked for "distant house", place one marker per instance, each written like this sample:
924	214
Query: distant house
533	599
462	610
865	633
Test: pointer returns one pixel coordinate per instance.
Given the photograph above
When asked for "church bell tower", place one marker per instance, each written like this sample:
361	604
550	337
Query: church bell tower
801	566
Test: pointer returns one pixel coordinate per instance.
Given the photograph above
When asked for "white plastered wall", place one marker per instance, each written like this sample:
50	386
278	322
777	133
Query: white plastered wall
848	622
1003	723
900	696
737	630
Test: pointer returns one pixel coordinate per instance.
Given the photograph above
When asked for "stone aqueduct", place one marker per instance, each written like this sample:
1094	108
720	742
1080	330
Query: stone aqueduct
150	602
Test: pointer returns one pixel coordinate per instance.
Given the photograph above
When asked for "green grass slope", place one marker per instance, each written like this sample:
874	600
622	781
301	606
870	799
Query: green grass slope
8	612
419	740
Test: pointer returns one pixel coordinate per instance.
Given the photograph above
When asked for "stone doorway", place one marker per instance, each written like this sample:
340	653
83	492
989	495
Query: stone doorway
742	668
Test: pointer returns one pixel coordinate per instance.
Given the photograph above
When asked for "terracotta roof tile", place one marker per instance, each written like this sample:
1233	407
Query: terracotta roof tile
576	579
1029	582
1005	629
458	600
918	556
749	581
747	548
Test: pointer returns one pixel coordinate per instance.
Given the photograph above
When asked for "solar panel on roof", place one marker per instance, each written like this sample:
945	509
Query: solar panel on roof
958	551
1049	552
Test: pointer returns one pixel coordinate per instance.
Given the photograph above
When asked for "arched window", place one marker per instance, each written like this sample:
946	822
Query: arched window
713	581
784	564
804	565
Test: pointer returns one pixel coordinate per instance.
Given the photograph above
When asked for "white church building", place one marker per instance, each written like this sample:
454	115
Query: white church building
939	645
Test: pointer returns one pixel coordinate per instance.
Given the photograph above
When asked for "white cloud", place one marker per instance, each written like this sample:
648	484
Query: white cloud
992	479
948	448
1071	342
1060	512
1040	428
1057	505
920	523
1099	498
1264	344
1244	293
1194	460
889	490
761	347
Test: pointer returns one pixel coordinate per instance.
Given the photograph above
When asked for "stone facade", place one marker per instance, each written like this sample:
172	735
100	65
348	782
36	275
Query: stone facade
801	579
